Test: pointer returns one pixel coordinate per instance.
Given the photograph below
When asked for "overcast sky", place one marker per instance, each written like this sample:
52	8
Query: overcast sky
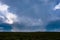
29	15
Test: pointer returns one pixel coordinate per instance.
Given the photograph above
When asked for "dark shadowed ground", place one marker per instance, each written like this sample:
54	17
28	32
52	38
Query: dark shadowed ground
30	36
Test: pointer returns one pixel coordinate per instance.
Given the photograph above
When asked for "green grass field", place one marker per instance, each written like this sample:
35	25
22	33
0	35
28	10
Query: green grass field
29	36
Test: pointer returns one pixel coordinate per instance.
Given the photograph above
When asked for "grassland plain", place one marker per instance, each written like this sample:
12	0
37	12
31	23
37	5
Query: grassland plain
29	36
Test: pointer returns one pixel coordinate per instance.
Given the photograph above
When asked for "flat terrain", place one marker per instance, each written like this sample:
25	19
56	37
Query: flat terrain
29	36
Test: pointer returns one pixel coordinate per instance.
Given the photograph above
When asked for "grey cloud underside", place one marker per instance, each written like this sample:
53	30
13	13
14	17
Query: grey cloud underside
30	11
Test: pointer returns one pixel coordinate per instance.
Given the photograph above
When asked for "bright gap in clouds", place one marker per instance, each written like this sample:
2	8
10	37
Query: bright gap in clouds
7	16
3	7
57	7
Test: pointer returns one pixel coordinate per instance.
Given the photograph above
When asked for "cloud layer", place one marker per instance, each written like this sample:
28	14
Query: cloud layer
28	24
57	6
11	18
7	16
31	15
